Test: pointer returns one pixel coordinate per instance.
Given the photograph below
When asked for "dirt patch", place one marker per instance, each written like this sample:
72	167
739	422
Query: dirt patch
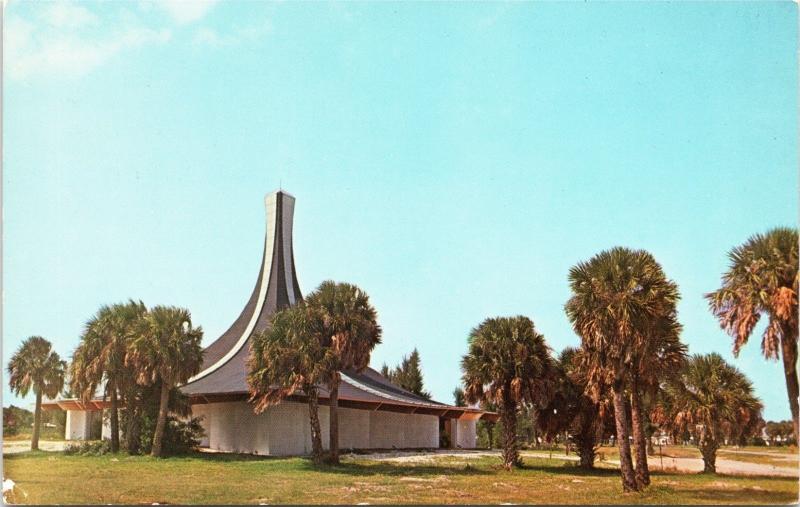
440	478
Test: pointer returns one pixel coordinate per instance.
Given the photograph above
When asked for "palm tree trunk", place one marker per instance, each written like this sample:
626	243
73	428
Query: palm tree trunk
586	451
490	434
161	423
333	418
586	439
132	420
316	432
510	450
37	422
639	436
114	416
625	461
789	353
132	432
708	448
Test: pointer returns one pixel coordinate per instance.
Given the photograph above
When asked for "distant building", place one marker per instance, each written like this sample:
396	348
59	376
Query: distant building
373	413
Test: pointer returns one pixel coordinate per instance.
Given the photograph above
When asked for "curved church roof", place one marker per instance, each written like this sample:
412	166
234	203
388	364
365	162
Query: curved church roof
224	370
223	375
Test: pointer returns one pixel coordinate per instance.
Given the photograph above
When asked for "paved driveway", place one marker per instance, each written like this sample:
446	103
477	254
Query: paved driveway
724	466
15	446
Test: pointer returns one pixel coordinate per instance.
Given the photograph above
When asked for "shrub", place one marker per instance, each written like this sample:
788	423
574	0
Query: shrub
180	436
444	440
89	448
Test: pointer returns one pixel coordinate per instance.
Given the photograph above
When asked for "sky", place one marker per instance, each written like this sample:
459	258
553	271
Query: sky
452	159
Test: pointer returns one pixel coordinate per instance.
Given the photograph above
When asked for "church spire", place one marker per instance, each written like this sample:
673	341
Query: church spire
276	287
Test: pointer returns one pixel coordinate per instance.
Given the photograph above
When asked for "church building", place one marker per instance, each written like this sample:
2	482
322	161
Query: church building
373	412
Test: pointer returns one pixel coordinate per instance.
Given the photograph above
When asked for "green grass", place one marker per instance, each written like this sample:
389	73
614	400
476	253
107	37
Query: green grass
43	477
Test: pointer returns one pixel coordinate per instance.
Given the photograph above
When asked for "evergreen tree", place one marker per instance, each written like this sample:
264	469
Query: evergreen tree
459	400
408	375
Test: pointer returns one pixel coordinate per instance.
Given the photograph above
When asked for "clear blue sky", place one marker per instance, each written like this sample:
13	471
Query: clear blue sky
453	159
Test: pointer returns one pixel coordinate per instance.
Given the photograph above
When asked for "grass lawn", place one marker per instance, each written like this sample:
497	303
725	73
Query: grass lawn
43	477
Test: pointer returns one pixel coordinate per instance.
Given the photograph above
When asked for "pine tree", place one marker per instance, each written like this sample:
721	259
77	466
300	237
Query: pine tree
408	375
459	399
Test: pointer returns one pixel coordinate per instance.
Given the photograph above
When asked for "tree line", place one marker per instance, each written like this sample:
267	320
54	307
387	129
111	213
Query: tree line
631	366
129	355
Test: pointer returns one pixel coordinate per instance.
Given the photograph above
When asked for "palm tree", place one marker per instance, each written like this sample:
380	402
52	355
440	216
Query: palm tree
618	298
350	331
286	358
168	352
100	357
571	410
662	357
35	365
708	395
762	279
509	363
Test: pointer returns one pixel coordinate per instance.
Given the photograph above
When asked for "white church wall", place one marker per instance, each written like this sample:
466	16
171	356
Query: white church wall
233	427
222	424
105	432
354	429
466	434
390	429
77	425
422	431
288	429
284	429
201	411
386	430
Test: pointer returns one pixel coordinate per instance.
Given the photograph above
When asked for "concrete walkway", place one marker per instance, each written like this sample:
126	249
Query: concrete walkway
724	466
17	446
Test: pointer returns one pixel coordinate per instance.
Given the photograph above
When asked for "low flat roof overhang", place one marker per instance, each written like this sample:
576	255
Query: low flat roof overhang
75	404
446	412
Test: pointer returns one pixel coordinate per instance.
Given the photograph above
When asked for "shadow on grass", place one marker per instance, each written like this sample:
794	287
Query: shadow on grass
400	469
229	457
700	475
30	454
570	469
394	469
304	464
730	496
